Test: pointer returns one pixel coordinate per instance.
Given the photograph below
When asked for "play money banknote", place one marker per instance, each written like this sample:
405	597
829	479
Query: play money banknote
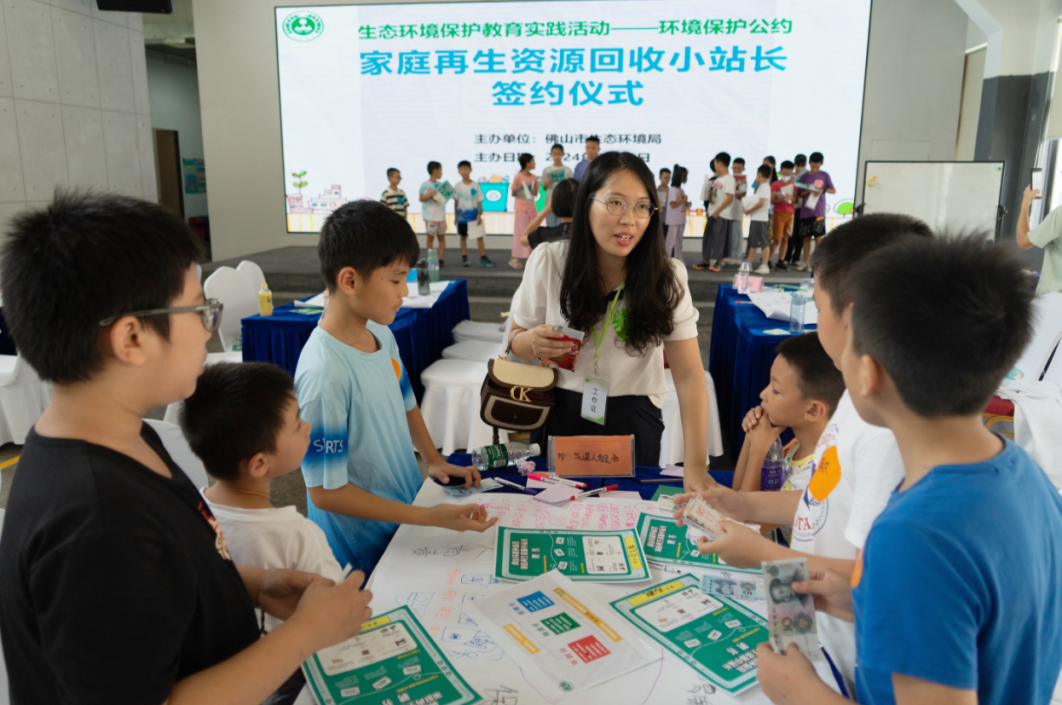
745	587
485	485
705	520
790	615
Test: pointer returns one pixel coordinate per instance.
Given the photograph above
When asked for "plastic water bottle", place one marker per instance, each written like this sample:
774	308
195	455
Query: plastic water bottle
423	277
433	265
773	474
493	457
743	277
265	301
796	313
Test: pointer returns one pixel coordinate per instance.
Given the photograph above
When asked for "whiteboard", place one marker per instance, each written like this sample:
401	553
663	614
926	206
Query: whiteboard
952	196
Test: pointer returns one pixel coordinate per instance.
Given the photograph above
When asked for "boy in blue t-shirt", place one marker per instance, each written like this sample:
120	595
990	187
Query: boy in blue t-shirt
956	597
361	469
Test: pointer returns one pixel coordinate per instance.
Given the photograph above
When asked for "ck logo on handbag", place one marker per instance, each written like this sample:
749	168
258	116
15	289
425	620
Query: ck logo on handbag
519	393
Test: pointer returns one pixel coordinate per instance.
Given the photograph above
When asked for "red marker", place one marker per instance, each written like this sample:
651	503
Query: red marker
599	490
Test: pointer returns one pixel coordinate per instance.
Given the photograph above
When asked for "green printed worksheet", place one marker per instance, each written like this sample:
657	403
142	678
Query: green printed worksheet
713	635
594	556
392	661
666	546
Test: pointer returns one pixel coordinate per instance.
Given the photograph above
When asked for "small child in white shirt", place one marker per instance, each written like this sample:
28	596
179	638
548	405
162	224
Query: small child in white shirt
757	206
243	423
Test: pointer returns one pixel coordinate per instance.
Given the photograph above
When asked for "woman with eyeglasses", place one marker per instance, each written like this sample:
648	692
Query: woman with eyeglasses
612	280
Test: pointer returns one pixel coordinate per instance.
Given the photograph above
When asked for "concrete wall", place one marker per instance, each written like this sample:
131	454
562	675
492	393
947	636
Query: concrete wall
175	106
74	108
911	106
914	82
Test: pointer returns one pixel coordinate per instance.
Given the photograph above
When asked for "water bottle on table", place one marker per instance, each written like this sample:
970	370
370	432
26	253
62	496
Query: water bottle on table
433	265
743	277
494	457
773	474
796	312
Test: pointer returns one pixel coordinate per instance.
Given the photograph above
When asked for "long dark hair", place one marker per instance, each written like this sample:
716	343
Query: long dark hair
651	288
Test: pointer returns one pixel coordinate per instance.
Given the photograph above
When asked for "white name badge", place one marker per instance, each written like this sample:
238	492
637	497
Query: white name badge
595	398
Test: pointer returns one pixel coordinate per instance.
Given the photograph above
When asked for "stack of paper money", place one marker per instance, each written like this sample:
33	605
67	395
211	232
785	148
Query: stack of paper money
745	587
702	519
790	615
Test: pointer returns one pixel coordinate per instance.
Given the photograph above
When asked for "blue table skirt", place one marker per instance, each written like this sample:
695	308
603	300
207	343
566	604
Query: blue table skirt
646	490
421	333
740	359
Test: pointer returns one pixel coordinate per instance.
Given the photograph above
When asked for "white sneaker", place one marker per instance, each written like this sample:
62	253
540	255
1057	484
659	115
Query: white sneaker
801	267
731	261
763	269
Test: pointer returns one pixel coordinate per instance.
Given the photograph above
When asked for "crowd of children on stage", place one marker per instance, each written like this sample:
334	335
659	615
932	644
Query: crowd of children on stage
786	207
935	546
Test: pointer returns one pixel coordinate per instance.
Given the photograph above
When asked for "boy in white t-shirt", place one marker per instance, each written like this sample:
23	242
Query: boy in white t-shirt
757	206
434	211
720	194
737	211
468	208
243	422
857	466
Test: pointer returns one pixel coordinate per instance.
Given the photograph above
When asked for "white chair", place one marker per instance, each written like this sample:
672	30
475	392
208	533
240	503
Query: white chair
1047	331
176	445
474	350
231	288
253	274
470	330
23	398
672	445
450	405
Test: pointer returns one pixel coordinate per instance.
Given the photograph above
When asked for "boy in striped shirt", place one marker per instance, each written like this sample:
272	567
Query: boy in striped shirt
394	197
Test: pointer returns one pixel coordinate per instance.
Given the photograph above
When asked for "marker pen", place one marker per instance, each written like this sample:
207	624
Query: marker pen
599	490
561	480
515	486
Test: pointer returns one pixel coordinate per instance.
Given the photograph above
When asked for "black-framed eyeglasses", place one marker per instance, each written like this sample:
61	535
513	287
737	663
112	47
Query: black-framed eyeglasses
617	206
209	313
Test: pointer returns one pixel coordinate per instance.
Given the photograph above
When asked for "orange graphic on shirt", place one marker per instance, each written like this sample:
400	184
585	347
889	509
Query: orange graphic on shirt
398	369
857	574
827	475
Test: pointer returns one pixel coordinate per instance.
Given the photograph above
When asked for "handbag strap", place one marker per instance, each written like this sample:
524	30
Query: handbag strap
509	347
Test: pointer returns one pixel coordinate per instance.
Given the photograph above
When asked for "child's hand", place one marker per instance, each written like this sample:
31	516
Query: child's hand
790	677
280	590
461	517
832	591
332	613
764	433
737	546
730	503
479	219
752	418
441	472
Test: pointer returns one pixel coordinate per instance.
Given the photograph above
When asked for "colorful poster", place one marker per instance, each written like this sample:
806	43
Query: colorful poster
666	547
594	556
714	635
560	636
392	661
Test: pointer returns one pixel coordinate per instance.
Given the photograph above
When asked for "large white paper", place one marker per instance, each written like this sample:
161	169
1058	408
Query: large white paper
476	230
312	302
776	305
439	573
561	635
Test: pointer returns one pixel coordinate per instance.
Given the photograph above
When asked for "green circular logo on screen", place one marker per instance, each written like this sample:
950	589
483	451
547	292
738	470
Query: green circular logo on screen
303	26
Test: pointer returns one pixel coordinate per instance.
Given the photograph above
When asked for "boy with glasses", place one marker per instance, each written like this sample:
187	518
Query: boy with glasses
115	575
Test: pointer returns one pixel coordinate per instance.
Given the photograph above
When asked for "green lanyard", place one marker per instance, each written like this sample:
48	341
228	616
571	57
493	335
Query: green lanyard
604	329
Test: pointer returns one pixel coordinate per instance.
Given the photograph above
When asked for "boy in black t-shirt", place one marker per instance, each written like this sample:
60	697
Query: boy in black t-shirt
115	577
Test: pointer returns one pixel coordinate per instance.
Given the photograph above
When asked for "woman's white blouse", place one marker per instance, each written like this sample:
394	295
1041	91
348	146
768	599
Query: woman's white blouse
628	374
